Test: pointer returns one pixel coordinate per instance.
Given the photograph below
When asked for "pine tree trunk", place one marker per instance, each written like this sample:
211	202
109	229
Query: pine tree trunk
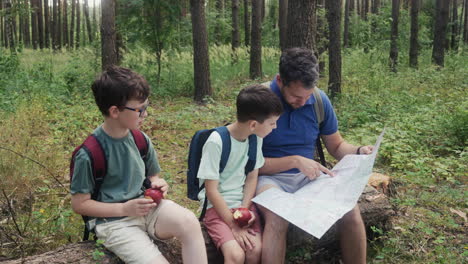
78	23
66	39
440	28
334	47
201	61
46	24
247	22
358	7
465	23
394	35
414	45
351	6
219	5
9	26
88	21
35	35
72	24
365	9
454	43
283	23
27	32
301	20
54	25
256	47
235	41
58	29
108	36
346	25
40	24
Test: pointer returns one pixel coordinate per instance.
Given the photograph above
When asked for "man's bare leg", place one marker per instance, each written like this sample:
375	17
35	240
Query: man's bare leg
352	234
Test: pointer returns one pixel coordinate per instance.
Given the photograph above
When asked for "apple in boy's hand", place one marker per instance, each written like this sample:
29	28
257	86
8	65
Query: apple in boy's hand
154	194
242	216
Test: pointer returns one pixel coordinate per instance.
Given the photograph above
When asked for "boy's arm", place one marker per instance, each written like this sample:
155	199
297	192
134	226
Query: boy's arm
218	202
84	205
159	183
250	188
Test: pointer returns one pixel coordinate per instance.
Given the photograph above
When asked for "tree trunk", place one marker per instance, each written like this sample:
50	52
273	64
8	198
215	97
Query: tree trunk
283	23
78	23
40	24
256	47
35	34
375	208
301	20
394	35
358	7
346	25
46	24
414	45
375	6
9	26
351	5
247	22
72	24
108	36
88	21
58	28
201	60
334	47
365	9
53	25
219	5
440	27
26	21
321	35
66	39
235	41
454	43
465	23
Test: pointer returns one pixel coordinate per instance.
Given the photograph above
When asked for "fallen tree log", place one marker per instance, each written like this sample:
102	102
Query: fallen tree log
375	209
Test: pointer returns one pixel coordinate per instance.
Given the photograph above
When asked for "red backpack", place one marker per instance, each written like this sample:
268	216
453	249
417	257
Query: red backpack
93	147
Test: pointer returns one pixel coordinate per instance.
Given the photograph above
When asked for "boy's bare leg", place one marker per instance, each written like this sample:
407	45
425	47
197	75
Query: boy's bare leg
352	234
232	253
177	221
254	256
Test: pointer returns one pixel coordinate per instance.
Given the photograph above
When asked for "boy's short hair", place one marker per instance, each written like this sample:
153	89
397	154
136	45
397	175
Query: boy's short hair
299	64
257	102
116	86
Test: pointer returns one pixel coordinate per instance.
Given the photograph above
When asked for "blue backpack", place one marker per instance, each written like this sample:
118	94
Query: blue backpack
195	154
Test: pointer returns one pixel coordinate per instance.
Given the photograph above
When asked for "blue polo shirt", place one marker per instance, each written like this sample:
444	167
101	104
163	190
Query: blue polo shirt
297	129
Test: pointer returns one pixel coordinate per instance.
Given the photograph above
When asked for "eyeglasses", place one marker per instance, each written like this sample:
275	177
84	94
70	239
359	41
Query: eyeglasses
141	111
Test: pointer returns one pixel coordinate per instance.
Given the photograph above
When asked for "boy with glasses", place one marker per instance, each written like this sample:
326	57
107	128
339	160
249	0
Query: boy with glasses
122	217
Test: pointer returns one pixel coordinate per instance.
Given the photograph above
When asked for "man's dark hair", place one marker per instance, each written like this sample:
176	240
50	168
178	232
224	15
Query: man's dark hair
257	102
116	86
298	64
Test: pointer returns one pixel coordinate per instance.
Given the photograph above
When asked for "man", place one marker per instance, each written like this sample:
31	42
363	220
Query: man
289	152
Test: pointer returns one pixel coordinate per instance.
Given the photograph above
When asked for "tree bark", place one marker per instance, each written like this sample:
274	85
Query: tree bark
201	61
9	34
465	23
58	26
440	27
283	23
414	45
334	47
34	30
53	25
454	42
235	41
65	34
46	24
346	25
247	22
88	21
256	47
394	35
72	24
219	5
301	20
365	9
78	23
40	24
108	36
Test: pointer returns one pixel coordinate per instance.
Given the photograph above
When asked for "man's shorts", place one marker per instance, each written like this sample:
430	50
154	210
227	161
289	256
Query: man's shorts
288	182
131	238
220	232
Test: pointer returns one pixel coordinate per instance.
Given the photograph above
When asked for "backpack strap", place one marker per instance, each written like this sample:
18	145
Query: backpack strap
252	154
142	145
320	114
226	149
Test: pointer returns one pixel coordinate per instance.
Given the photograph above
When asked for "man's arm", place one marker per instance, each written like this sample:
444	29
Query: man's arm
309	167
338	147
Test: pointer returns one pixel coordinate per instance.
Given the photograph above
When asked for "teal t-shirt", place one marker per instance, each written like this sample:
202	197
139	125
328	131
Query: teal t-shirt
125	169
232	179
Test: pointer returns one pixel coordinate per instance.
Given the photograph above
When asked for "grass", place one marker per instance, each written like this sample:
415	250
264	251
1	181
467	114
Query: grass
46	109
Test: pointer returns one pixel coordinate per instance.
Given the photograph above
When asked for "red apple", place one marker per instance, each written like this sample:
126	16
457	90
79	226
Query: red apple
154	194
242	216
